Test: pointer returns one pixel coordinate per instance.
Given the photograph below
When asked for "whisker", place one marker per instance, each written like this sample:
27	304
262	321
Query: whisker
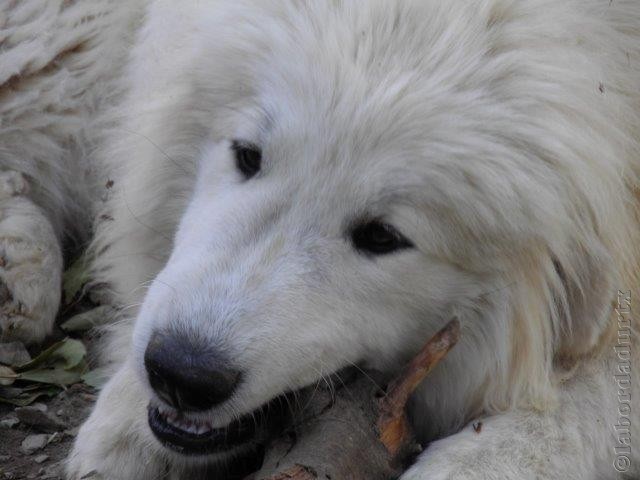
157	147
137	219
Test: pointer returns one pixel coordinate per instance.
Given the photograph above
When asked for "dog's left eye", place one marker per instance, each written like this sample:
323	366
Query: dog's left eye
248	158
378	238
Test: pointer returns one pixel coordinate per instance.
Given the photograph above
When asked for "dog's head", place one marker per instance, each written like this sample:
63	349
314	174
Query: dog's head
365	172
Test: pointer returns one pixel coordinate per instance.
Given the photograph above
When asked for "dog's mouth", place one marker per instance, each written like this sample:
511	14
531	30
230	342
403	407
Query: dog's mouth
191	436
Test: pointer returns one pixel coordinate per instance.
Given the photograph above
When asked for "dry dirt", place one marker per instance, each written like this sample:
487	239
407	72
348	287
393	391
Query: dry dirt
70	408
63	414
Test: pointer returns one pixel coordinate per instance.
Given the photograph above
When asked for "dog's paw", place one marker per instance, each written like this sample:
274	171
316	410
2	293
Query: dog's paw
30	264
76	469
30	271
115	442
30	279
515	445
105	450
83	463
95	458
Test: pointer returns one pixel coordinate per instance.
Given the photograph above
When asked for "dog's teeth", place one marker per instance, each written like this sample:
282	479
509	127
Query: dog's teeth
196	427
202	429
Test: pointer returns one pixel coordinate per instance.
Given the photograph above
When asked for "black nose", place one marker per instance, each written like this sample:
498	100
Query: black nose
188	376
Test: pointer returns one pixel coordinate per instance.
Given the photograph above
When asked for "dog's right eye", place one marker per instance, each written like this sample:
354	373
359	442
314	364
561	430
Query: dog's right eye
378	238
248	158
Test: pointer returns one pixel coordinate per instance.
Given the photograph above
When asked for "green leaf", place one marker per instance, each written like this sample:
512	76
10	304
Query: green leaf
96	378
52	376
70	354
63	363
27	398
87	320
65	354
74	278
41	359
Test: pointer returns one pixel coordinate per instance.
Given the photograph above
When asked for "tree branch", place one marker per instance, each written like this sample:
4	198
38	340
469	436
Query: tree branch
355	433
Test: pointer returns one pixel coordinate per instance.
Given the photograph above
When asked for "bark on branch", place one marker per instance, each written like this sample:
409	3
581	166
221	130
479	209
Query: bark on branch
356	432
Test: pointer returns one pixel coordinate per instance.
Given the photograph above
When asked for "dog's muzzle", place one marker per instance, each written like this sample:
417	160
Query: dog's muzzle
190	379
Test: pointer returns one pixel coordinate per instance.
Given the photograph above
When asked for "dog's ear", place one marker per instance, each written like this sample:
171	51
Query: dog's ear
585	291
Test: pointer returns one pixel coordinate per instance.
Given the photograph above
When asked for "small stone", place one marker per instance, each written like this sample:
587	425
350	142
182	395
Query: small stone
40	406
33	443
9	475
41	459
38	419
9	422
13	353
4	458
60	412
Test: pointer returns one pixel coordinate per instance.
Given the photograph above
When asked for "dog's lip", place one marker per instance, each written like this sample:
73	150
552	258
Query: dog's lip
200	439
189	435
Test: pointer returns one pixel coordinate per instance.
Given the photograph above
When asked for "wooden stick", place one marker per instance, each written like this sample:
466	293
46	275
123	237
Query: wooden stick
353	435
392	421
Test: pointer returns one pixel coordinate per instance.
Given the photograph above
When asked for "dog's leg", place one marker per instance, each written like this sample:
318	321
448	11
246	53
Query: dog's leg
514	446
30	265
115	443
575	441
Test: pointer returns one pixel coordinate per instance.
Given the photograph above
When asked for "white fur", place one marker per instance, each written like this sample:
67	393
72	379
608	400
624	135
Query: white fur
58	64
30	264
500	136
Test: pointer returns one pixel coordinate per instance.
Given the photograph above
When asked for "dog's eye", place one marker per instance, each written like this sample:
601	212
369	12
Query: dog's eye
378	238
248	158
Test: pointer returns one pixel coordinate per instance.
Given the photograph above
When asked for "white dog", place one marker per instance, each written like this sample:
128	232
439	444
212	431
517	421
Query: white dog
305	185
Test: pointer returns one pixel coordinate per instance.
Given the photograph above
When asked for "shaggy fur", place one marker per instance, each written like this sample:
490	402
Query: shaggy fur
60	67
501	137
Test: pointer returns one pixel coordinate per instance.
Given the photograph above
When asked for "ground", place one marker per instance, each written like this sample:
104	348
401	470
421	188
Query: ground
35	439
70	408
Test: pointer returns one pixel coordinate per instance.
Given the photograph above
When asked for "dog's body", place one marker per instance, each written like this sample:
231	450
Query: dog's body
501	138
